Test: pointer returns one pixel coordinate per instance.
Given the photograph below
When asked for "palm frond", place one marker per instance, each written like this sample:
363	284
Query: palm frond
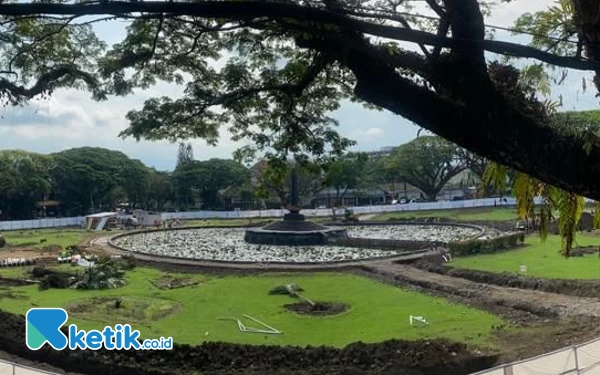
570	207
494	175
524	189
596	211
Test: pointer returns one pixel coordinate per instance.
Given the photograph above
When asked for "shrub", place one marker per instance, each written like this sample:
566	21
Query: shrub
491	245
128	262
2	241
57	280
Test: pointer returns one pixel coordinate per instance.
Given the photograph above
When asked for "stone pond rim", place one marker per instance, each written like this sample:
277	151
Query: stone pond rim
294	230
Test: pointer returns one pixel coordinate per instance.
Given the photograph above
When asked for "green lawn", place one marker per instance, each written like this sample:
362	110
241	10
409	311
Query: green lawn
63	237
541	259
377	311
467	214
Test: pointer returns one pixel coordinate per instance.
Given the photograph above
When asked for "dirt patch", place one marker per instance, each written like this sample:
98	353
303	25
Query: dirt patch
10	294
123	308
390	357
581	251
578	288
169	282
318	309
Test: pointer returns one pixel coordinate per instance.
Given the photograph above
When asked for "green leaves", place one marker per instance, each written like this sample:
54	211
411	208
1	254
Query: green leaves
428	163
552	29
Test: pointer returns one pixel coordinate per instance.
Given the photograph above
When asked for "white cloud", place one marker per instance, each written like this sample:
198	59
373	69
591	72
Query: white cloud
374	132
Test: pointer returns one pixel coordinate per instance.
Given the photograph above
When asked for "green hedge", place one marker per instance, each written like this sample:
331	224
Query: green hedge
492	245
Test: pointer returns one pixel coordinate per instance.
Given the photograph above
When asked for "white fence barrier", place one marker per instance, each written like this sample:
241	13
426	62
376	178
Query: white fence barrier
573	360
10	368
42	223
473	203
78	221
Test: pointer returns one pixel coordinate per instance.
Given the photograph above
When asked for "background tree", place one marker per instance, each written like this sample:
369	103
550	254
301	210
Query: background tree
428	163
160	190
207	178
26	179
276	180
84	178
135	182
185	154
345	174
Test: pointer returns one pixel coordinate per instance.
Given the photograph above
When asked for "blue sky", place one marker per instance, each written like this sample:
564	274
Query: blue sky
71	119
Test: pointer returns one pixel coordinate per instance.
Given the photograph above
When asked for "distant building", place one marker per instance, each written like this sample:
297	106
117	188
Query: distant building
353	197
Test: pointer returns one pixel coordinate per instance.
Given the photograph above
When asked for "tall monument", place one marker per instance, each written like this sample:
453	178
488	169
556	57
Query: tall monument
293	229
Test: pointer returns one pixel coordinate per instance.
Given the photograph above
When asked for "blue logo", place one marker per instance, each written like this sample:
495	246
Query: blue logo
44	324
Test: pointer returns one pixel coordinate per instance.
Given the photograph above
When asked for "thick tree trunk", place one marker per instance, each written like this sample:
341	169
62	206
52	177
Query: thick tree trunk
587	19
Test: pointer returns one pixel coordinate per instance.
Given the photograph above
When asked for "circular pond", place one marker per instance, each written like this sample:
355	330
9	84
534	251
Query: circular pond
227	244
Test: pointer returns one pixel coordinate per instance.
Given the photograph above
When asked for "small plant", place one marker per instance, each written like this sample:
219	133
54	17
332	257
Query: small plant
104	274
292	290
128	262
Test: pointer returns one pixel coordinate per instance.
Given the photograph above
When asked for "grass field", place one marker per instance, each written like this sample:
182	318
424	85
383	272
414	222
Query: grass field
33	237
189	314
541	259
467	214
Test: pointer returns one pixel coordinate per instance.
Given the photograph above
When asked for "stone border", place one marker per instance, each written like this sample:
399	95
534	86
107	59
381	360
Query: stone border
391	244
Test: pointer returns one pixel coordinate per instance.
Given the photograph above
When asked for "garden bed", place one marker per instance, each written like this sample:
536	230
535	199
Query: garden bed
318	309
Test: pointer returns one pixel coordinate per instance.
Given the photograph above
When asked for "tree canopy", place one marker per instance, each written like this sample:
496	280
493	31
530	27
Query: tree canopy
288	64
428	163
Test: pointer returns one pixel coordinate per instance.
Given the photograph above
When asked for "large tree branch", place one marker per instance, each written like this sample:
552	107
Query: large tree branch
45	82
493	128
248	10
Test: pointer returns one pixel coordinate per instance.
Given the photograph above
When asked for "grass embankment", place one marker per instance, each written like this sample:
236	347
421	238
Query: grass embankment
541	258
376	311
464	214
34	237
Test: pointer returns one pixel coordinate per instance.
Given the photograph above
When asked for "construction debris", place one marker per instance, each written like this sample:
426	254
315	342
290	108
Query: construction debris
420	319
243	328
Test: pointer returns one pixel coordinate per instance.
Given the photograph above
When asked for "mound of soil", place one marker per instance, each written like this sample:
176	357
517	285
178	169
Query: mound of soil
390	357
318	309
578	288
168	282
581	251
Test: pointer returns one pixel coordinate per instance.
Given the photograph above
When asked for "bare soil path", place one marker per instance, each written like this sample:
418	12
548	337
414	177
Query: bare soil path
539	303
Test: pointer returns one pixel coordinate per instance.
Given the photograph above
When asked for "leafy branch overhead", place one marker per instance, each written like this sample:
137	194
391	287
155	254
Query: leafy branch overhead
273	72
